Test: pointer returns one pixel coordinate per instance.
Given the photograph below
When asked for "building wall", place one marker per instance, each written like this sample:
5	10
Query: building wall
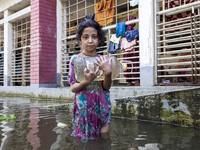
46	39
43	42
45	33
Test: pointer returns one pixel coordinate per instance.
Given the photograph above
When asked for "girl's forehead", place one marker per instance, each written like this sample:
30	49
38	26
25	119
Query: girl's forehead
89	30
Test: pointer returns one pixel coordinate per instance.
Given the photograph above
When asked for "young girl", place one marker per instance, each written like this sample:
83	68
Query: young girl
92	107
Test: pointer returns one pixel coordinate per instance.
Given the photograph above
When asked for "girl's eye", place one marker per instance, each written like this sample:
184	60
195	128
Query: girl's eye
85	37
94	37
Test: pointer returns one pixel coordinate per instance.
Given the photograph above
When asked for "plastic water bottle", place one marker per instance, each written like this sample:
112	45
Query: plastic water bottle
81	63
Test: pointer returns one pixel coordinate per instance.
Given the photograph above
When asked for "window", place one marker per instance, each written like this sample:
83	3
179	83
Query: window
178	42
20	72
74	12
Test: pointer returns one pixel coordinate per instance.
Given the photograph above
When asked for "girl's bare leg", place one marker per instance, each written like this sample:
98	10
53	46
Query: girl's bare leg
105	128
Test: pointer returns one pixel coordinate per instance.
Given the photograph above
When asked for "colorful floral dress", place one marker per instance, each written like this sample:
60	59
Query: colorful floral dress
92	107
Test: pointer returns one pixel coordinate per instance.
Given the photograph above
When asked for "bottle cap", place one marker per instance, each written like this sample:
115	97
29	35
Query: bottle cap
124	66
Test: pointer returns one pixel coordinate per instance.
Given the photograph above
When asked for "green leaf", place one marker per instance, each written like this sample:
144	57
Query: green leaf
2	118
12	116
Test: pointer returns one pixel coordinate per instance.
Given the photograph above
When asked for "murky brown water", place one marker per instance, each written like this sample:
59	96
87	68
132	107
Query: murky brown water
35	128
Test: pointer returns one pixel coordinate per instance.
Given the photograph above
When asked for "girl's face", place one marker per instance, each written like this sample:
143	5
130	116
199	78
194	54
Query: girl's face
89	39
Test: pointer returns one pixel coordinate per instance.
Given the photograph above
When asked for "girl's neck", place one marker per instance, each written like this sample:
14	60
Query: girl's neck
89	55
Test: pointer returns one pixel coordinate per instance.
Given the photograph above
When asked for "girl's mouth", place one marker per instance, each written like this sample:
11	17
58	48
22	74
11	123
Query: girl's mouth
90	46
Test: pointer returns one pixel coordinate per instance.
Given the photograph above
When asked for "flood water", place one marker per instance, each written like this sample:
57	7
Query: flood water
36	128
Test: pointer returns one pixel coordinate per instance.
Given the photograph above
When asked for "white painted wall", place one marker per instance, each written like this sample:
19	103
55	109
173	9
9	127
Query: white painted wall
13	5
146	26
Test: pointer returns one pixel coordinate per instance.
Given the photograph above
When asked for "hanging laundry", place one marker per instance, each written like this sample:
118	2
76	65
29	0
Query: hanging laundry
115	39
134	3
113	47
120	29
104	9
131	35
114	44
128	46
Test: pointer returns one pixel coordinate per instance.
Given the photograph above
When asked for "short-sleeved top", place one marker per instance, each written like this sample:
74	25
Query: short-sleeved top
92	107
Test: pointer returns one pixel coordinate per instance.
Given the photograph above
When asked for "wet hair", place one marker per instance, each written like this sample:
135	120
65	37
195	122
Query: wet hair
91	23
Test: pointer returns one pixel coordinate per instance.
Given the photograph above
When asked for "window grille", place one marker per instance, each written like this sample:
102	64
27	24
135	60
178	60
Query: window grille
74	12
20	71
177	42
1	55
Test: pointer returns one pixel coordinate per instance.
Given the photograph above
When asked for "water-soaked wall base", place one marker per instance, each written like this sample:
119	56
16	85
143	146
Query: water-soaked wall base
180	107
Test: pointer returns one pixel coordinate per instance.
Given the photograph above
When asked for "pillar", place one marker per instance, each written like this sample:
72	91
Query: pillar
7	47
43	43
146	28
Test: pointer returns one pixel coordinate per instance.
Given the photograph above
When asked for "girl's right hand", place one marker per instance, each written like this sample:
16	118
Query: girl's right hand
89	77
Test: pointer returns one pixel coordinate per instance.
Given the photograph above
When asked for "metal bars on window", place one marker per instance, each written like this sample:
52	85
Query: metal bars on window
74	12
177	42
1	55
20	70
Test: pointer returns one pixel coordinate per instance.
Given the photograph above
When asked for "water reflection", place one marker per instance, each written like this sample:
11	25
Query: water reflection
32	136
32	128
36	129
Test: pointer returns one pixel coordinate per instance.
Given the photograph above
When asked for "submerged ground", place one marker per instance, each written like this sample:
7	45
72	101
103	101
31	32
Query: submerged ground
36	128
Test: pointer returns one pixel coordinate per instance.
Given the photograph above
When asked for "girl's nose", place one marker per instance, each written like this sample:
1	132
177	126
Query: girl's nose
90	39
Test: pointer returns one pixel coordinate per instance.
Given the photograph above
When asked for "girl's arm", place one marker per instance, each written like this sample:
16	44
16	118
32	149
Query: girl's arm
76	87
107	82
107	68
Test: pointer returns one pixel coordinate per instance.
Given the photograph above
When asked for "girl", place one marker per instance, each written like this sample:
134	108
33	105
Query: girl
92	107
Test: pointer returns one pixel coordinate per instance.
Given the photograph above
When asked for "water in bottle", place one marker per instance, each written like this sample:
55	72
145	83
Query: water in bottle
81	63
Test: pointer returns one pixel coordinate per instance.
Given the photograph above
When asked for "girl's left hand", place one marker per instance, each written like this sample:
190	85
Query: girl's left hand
105	65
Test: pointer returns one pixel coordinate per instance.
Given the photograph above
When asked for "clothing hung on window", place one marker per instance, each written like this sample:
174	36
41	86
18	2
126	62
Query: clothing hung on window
131	35
128	46
134	3
114	44
104	10
115	39
120	29
113	47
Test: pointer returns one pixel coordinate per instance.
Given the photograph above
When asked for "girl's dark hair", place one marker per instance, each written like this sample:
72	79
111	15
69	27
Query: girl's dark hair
91	23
